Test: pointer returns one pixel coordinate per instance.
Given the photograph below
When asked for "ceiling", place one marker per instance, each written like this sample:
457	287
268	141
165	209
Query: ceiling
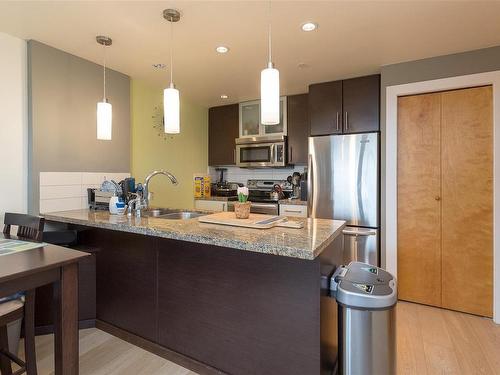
353	38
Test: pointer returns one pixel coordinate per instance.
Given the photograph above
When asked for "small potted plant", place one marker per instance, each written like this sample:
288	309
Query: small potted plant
242	207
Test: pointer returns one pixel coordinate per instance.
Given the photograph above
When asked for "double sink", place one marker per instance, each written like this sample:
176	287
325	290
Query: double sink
172	214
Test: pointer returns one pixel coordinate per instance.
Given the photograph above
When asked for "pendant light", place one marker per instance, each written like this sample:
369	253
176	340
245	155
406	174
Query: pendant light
270	88
104	110
171	104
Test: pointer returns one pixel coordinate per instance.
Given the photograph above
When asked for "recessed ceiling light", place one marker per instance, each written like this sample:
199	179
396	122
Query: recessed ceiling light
159	66
222	49
309	26
223	96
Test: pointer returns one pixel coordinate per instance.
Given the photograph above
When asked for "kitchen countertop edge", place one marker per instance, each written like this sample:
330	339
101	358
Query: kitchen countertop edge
257	247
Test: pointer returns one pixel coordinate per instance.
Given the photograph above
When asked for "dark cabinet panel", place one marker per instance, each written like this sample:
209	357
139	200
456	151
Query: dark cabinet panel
240	312
361	104
325	108
223	128
44	308
126	281
298	128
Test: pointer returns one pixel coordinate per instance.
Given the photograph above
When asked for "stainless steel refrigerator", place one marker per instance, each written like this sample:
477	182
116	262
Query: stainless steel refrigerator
343	184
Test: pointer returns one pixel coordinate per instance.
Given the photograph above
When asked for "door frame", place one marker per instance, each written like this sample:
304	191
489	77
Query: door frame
389	236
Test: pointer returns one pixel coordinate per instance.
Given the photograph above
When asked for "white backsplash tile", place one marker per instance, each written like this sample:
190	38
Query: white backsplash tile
60	204
241	175
61	191
60	178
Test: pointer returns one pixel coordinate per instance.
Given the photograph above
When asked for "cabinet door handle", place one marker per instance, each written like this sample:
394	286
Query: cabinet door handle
294	211
346	121
291	153
437	197
338	120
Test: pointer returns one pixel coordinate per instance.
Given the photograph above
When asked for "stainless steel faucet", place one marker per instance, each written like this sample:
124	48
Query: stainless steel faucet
136	204
149	177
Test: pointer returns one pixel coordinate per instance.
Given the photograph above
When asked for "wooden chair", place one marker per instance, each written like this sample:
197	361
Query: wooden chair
29	227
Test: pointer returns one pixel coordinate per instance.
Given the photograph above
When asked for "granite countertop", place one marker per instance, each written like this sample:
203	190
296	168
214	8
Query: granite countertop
305	243
297	202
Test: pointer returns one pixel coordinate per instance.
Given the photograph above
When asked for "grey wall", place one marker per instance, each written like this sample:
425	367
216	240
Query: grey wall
63	91
478	61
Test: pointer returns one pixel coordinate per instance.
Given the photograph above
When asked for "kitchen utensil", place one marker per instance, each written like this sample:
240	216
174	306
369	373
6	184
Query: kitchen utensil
221	175
277	192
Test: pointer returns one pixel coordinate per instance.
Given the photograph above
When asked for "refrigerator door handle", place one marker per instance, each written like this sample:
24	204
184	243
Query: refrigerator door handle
310	188
356	233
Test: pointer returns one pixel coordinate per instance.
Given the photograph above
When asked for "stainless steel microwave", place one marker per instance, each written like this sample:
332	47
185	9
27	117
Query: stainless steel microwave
260	152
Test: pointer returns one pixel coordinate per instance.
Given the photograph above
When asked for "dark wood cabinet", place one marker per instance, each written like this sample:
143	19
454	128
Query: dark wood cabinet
298	128
223	128
348	106
44	309
361	104
211	309
126	280
225	306
325	108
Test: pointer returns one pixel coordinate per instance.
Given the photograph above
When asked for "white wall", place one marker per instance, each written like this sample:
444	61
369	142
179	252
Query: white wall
13	125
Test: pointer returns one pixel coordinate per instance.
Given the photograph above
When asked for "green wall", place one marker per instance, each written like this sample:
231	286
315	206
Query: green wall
182	155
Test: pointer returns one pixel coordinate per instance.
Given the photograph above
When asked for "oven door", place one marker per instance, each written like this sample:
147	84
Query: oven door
260	155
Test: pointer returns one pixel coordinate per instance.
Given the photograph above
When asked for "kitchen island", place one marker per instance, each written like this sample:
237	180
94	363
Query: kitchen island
212	298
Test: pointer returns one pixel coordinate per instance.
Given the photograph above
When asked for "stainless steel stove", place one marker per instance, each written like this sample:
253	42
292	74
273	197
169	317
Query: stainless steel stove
260	194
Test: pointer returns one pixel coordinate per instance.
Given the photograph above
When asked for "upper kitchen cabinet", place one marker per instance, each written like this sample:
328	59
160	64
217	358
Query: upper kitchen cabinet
249	116
222	131
325	108
298	128
361	104
348	106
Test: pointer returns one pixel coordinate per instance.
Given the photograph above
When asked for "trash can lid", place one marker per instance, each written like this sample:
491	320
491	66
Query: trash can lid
364	286
367	273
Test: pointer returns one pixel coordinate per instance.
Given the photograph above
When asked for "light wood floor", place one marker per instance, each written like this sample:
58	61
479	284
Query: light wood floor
438	341
430	341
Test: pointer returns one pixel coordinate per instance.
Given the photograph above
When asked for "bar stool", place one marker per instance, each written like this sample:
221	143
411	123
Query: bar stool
29	227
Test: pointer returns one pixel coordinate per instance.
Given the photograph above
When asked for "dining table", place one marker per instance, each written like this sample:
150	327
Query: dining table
49	264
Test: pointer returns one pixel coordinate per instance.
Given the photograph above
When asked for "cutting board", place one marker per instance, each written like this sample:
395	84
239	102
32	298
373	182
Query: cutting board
256	221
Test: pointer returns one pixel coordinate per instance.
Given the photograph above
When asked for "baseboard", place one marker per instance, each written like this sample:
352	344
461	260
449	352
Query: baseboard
173	356
48	329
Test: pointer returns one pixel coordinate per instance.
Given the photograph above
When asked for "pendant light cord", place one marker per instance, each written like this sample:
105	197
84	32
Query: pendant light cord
269	32
171	54
104	73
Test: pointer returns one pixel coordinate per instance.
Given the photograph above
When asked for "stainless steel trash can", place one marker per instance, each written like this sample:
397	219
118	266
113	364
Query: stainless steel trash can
366	297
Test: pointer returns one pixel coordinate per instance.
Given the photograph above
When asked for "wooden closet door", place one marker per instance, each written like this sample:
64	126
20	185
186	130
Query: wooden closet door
467	205
419	189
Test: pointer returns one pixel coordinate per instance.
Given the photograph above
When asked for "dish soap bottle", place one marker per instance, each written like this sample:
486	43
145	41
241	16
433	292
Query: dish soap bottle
113	201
